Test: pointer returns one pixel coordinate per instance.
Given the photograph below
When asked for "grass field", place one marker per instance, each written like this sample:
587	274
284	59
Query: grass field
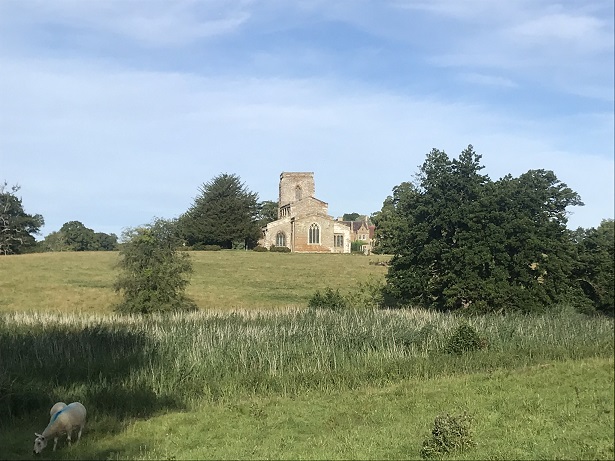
255	374
83	281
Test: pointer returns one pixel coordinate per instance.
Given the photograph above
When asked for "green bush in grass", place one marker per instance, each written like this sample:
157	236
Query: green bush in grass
450	433
464	339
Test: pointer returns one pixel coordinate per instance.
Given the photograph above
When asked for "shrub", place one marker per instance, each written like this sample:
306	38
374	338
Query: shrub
366	294
260	249
153	273
329	299
449	433
275	249
464	339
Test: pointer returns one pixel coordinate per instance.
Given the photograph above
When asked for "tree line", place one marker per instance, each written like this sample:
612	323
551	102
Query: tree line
458	240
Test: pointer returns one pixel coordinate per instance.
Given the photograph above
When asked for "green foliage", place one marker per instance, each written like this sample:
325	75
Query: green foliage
153	273
328	299
351	216
450	433
367	294
74	236
389	220
464	339
267	212
461	241
276	249
593	277
224	212
260	249
355	247
17	228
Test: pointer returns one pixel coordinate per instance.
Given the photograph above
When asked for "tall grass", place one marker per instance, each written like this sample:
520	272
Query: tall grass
130	366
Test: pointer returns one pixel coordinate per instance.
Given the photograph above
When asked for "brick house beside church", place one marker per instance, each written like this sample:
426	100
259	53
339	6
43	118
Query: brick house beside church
303	223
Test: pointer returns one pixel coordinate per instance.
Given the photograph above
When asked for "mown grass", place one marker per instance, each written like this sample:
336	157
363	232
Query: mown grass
83	281
562	410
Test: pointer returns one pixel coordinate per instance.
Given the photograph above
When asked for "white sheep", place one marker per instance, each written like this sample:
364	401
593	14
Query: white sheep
63	421
57	407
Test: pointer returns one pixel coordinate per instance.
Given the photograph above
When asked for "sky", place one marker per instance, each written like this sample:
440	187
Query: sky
115	112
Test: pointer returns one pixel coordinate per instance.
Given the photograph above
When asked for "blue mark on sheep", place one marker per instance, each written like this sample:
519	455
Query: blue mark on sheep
56	415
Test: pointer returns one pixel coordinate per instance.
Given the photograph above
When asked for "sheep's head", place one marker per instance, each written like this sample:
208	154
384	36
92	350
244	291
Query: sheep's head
39	443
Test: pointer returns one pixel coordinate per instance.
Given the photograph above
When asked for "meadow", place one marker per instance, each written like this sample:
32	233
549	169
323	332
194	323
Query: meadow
255	374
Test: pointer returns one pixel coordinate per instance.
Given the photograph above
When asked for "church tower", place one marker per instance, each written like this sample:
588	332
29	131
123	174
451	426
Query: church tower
295	187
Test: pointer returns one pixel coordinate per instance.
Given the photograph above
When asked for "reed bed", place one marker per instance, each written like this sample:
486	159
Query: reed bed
133	366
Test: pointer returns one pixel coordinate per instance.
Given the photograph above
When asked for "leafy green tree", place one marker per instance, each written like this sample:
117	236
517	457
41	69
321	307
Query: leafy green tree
460	240
594	271
105	242
153	273
388	221
351	216
55	241
78	237
268	212
17	228
224	213
74	236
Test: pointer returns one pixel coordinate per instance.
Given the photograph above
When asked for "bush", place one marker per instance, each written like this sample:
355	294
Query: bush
275	249
260	249
367	294
464	339
449	433
153	273
329	299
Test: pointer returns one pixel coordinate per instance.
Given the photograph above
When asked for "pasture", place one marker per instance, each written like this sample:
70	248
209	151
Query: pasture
254	374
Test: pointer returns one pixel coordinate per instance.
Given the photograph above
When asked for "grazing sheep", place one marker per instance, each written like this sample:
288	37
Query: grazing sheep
62	422
57	407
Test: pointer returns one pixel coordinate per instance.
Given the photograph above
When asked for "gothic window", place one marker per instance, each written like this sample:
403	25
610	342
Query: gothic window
280	239
298	193
314	235
338	240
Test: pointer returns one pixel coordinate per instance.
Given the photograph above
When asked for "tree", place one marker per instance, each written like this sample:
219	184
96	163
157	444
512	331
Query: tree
105	242
388	221
74	236
593	276
460	240
78	237
17	228
224	213
350	216
268	212
153	273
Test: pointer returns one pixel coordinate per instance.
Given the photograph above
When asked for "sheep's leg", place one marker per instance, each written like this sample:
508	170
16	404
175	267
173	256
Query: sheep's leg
68	436
79	434
55	443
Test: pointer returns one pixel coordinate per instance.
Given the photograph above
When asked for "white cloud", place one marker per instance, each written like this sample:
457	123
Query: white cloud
113	148
151	22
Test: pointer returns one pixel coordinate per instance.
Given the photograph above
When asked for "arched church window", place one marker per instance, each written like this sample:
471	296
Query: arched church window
280	239
298	193
314	234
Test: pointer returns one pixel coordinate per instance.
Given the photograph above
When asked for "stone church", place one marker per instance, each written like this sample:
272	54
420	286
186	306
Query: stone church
303	223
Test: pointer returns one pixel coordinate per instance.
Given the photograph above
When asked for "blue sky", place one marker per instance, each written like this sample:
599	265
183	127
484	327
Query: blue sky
115	112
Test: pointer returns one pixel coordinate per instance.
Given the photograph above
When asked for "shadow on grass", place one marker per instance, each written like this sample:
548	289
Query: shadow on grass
102	366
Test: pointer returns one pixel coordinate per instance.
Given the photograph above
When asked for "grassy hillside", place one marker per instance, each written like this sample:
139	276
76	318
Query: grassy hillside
256	375
83	281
